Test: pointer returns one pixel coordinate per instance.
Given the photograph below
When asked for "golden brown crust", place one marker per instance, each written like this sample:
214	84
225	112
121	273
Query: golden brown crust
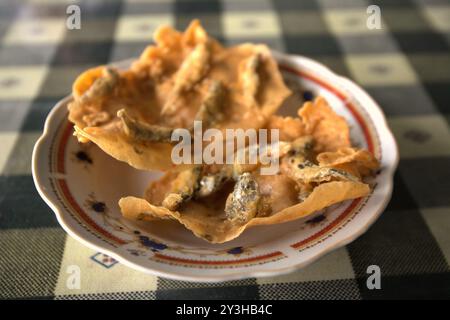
305	184
168	86
329	129
130	114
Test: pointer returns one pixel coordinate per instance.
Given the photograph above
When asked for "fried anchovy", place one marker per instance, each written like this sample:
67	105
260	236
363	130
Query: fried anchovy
313	173
209	112
191	71
102	86
250	78
211	109
242	203
303	170
298	157
209	184
213	182
201	185
143	131
183	188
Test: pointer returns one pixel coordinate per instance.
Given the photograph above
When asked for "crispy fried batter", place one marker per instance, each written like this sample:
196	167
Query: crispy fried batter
304	185
212	226
329	130
309	173
289	128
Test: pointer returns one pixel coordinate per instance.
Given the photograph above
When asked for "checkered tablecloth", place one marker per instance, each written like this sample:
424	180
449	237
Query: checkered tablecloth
405	66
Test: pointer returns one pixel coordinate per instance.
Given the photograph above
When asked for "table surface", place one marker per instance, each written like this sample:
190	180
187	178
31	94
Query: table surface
405	66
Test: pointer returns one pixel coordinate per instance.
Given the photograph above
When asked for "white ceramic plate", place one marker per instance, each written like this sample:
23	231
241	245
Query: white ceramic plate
82	186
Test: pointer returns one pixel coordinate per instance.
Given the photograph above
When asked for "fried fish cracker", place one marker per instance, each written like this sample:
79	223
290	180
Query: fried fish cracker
213	226
207	203
219	204
168	87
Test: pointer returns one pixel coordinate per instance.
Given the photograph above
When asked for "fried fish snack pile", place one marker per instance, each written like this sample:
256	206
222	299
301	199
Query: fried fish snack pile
131	114
318	168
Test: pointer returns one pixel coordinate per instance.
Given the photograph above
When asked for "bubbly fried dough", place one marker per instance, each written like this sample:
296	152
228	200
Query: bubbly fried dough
329	130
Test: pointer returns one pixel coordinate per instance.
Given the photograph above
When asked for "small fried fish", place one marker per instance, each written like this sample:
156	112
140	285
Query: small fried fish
191	71
213	182
183	188
211	109
143	131
242	203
